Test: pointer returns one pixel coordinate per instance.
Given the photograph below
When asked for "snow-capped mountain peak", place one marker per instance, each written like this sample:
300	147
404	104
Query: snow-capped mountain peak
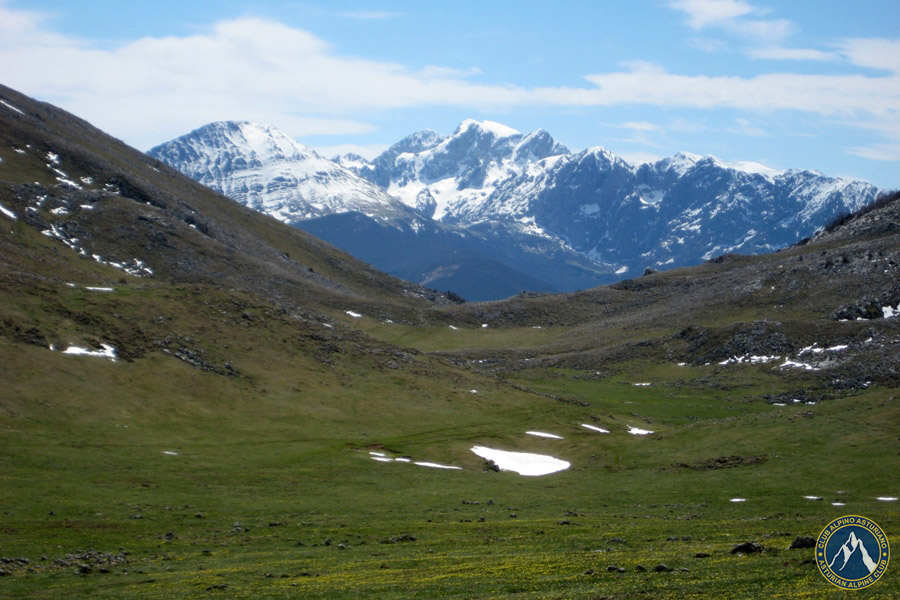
497	129
266	169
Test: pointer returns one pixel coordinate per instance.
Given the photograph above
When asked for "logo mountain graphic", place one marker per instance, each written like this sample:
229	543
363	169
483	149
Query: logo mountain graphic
848	549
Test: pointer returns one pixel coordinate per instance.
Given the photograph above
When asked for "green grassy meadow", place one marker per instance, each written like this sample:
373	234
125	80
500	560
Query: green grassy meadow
271	491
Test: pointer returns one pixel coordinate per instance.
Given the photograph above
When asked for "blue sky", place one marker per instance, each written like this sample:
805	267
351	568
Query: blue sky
791	84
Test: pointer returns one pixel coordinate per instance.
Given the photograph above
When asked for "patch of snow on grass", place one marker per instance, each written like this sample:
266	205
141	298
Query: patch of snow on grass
545	435
779	404
638	431
886	499
813	497
890	312
839	504
799	365
437	466
382	458
170	453
484	325
100	289
107	351
355	315
738	500
523	463
454	327
755	360
595	428
8	212
641	384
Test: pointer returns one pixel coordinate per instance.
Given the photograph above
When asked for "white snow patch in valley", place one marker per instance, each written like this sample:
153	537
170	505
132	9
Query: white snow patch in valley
170	452
87	206
839	504
437	466
523	463
377	453
641	384
8	212
107	351
473	391
890	312
595	428
484	325
545	435
355	315
382	459
813	497
454	327
638	431
100	289
886	499
738	500
779	404
8	105
403	460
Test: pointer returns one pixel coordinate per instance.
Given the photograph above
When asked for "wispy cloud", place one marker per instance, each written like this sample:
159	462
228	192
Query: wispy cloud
703	13
371	15
873	53
882	152
792	54
640	125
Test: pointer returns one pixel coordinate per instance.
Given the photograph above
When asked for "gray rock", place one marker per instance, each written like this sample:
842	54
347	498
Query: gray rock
802	541
747	548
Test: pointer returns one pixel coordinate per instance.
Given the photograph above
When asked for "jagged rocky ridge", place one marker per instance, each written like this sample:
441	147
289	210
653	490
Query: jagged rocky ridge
495	211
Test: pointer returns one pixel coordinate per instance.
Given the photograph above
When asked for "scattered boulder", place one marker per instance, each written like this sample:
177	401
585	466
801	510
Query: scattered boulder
802	541
701	555
747	548
399	539
661	568
640	568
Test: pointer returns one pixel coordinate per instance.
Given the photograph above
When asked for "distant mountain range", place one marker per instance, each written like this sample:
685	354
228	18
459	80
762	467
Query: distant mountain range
488	212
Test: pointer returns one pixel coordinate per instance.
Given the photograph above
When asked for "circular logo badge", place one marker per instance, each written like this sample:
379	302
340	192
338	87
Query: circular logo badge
852	552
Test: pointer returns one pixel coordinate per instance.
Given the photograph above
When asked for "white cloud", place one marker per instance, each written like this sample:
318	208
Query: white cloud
775	53
155	88
640	126
434	71
702	13
874	53
882	152
821	94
